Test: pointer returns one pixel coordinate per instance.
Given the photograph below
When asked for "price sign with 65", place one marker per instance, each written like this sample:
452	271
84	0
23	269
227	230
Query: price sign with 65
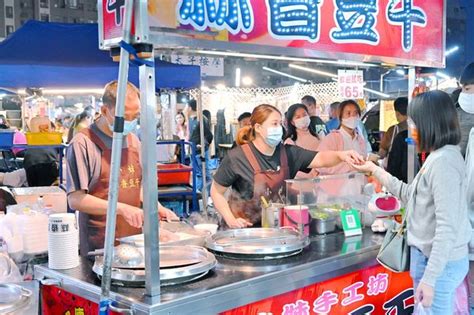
351	84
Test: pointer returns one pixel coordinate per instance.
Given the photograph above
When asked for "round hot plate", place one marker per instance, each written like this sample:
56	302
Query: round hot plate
257	243
178	264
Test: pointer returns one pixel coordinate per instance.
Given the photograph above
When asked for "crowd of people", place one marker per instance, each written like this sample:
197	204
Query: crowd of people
36	167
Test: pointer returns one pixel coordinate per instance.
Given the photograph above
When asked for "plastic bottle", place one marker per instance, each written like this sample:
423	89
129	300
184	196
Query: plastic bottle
40	203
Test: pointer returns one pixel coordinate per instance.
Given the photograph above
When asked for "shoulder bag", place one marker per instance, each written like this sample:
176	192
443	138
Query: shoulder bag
394	254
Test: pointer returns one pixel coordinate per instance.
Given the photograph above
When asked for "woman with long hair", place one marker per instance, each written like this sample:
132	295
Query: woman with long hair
438	226
298	133
181	126
259	166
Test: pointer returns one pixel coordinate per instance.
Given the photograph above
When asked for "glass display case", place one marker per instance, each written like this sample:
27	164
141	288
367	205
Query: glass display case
346	190
323	198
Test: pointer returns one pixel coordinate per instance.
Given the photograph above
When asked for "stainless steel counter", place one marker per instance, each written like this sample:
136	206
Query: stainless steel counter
234	283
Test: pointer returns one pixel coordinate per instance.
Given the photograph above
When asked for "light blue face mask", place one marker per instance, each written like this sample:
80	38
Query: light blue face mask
128	126
274	135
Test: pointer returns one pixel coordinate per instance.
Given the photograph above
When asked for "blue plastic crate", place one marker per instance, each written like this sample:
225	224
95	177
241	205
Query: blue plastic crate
6	138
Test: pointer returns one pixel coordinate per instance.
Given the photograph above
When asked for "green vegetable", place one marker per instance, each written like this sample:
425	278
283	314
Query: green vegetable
333	210
319	215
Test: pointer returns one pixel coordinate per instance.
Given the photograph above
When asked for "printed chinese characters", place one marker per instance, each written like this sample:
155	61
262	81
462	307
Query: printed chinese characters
325	302
77	311
56	225
210	66
116	7
353	296
330	302
363	310
377	284
294	19
356	21
399	304
128	180
232	15
298	308
204	61
405	14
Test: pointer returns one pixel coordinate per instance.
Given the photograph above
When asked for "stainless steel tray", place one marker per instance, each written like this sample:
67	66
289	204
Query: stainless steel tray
257	243
168	276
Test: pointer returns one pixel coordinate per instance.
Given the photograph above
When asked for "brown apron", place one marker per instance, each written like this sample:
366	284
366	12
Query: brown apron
267	183
92	227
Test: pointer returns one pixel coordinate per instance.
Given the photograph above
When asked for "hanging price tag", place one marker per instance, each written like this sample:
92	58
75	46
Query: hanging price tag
351	84
351	222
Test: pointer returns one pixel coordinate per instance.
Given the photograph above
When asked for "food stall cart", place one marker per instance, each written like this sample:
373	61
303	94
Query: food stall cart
330	264
334	274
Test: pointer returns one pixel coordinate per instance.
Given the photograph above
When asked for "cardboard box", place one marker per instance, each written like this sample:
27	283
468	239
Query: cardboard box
52	196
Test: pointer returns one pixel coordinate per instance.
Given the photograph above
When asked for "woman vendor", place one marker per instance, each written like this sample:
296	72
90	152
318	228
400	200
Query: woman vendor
260	165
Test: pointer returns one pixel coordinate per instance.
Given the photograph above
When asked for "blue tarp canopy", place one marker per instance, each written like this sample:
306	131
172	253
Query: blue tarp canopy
60	55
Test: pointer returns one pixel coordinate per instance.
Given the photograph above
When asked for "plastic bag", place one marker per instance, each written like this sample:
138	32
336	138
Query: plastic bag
420	310
9	272
12	235
461	298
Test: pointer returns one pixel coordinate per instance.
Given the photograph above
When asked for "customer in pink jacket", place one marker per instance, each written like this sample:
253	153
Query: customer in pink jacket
346	137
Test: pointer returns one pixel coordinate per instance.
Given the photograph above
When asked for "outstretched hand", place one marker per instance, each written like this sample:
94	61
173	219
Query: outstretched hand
351	157
366	167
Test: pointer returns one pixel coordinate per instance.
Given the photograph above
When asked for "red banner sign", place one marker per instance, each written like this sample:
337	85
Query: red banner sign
373	291
111	15
56	301
408	32
393	31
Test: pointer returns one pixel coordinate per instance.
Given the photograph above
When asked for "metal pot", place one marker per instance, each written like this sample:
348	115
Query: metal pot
335	213
323	226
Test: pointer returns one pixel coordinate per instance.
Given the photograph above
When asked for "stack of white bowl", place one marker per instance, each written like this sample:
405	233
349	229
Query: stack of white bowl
63	239
34	227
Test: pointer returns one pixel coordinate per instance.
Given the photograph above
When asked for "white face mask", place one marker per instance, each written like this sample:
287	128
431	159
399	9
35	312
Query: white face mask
466	101
303	122
351	122
274	136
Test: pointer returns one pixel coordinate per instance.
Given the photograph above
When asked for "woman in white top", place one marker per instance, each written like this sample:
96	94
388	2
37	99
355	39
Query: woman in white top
346	137
299	134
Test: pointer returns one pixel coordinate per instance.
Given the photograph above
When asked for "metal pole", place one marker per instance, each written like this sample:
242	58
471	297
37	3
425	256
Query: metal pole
411	148
173	104
148	122
173	112
115	162
203	155
382	76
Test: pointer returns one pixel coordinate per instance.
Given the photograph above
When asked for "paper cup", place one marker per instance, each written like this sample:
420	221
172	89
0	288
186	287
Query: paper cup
63	239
